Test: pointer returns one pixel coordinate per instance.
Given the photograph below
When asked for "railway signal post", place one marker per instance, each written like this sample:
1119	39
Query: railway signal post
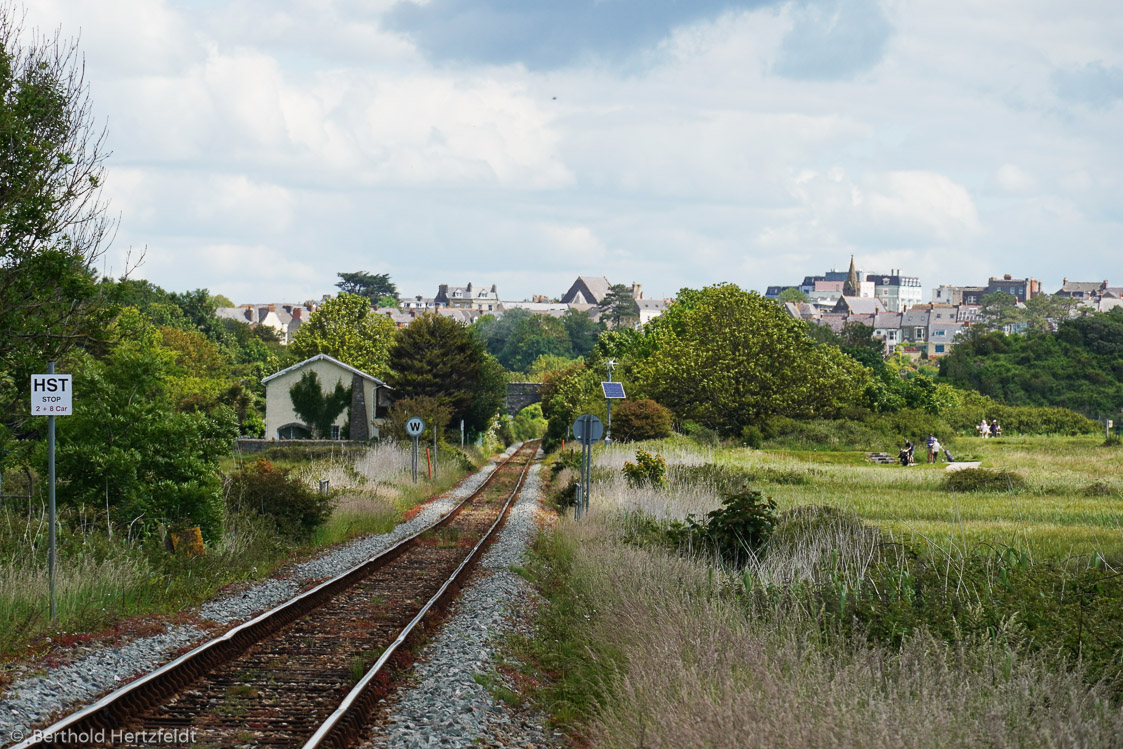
414	427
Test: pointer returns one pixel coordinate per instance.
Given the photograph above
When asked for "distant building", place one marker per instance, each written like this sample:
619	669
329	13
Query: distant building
1023	289
284	318
587	290
370	400
467	297
956	295
896	292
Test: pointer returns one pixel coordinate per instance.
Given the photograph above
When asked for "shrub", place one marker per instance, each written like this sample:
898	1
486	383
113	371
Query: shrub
751	436
983	480
735	531
642	419
648	470
264	489
1112	441
702	435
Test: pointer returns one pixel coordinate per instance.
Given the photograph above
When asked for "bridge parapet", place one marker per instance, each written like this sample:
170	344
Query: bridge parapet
522	394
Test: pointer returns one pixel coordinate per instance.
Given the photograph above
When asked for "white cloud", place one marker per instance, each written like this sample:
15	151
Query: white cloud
1012	180
306	136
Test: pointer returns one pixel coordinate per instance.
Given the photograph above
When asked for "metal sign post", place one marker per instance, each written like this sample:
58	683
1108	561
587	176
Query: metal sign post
414	427
462	434
588	430
51	395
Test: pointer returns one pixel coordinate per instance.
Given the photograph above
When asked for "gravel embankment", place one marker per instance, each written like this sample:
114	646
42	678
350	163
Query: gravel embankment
446	706
31	701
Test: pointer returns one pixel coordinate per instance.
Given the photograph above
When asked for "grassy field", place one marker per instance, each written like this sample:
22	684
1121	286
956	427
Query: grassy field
915	617
1072	503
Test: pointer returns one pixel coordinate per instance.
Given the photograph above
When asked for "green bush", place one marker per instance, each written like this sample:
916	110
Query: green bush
648	470
751	436
734	532
643	419
983	480
702	435
272	492
1112	441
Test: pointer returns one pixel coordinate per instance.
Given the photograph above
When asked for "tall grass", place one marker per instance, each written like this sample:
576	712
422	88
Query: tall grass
884	610
107	572
675	658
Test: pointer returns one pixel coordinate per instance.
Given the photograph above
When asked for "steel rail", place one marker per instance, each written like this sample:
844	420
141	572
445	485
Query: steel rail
115	708
344	724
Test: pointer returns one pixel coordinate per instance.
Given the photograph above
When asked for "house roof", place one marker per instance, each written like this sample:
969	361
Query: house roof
860	305
1085	286
653	304
597	288
333	360
915	316
887	321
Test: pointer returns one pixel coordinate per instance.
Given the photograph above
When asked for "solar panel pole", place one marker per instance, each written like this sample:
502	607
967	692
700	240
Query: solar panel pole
608	401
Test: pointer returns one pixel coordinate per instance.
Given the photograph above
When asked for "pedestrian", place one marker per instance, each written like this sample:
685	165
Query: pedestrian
994	427
905	456
997	428
932	446
983	429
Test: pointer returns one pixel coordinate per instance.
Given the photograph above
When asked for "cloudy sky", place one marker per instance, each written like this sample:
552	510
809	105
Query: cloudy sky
262	146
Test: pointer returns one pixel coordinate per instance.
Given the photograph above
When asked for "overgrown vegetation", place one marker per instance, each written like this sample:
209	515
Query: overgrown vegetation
294	507
868	621
1080	366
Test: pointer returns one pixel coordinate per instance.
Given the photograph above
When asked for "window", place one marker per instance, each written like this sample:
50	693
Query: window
335	431
919	333
939	348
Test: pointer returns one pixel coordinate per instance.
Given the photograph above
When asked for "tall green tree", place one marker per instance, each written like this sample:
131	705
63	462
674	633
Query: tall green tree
374	286
619	306
439	358
128	447
582	331
999	309
726	358
53	220
348	329
316	408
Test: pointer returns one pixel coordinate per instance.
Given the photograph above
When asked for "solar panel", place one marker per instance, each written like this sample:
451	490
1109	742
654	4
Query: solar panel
613	389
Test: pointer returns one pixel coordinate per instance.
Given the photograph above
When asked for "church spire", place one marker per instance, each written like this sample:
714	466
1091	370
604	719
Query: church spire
851	288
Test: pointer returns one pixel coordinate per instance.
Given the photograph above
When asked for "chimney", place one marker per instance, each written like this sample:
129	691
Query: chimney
1007	277
296	313
637	290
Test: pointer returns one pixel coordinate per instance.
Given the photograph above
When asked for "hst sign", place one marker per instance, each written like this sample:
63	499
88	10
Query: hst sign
52	395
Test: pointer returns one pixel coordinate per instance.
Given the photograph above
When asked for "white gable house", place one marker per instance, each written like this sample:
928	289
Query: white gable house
370	400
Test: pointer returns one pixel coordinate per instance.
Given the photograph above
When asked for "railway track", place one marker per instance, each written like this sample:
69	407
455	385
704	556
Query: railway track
310	671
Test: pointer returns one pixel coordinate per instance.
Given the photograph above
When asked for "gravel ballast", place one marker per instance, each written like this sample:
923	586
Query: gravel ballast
447	706
31	701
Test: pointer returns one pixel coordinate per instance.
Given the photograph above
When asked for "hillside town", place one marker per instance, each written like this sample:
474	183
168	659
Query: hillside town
892	304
